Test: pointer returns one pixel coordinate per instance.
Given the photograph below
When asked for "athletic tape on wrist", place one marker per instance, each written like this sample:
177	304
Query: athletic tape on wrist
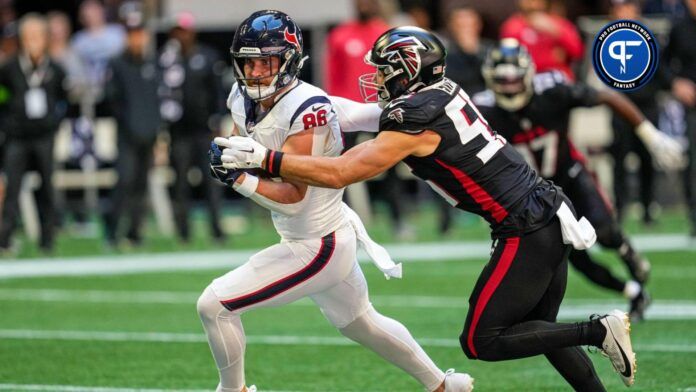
248	186
273	160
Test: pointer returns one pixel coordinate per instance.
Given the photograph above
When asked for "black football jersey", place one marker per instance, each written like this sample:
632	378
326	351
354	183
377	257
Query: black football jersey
473	168
539	131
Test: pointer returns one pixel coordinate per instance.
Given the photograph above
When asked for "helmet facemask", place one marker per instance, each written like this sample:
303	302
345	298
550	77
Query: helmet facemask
509	73
511	84
254	88
392	80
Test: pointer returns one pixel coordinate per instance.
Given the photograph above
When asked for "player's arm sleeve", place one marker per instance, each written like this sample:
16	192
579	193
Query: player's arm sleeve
622	106
228	103
406	117
313	112
355	116
578	95
231	96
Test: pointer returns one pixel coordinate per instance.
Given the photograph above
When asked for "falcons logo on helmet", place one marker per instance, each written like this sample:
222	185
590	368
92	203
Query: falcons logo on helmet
405	51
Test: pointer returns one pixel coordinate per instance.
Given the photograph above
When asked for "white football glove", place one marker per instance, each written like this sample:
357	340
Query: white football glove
666	151
241	152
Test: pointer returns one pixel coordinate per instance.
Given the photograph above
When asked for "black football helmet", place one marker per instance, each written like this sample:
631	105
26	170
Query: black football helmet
408	58
267	34
509	72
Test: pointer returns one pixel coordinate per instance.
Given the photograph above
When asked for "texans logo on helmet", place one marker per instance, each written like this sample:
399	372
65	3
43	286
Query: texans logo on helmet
405	51
292	38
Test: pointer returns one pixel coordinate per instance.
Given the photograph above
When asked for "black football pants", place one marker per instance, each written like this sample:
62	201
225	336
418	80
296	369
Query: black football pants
514	304
22	155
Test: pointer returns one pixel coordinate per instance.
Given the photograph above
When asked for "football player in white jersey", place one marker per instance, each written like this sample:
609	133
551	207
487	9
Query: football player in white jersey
316	257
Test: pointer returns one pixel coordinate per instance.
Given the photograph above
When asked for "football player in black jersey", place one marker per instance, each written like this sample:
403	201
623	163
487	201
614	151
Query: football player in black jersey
431	124
531	112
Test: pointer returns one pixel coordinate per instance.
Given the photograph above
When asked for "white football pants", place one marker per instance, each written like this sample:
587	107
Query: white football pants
324	270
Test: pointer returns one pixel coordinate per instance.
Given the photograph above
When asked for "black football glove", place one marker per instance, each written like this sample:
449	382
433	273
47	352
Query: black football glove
217	171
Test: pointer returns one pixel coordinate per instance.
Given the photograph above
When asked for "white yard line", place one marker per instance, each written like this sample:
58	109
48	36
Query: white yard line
182	261
278	340
76	388
79	388
571	309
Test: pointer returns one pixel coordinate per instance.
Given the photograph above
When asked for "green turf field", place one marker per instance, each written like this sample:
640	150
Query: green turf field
142	331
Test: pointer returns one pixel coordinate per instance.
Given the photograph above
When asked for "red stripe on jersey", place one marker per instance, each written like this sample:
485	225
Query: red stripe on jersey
479	194
575	154
501	269
468	120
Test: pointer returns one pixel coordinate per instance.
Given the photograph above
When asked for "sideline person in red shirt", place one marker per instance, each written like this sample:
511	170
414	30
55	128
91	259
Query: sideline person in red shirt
553	42
346	48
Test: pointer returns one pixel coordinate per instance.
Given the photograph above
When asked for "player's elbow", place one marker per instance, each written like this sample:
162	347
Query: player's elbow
334	180
336	183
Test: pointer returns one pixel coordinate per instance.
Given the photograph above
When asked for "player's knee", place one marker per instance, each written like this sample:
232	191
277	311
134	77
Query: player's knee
478	347
208	305
361	325
469	351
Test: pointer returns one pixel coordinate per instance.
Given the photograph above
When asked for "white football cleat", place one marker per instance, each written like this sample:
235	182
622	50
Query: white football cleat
458	382
251	388
617	345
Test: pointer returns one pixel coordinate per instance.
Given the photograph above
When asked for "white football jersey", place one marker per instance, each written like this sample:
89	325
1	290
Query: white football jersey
303	107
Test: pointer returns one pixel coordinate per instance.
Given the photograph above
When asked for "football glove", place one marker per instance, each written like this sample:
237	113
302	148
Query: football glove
217	170
667	153
241	152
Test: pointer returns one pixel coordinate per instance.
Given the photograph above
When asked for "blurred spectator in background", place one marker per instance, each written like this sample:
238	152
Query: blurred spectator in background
552	41
192	101
467	49
60	29
31	117
81	141
673	9
131	90
625	140
8	26
418	13
346	47
680	58
96	44
9	43
8	48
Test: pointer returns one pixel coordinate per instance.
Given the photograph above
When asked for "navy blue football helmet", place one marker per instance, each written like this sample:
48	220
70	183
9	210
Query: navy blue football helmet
509	72
267	34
